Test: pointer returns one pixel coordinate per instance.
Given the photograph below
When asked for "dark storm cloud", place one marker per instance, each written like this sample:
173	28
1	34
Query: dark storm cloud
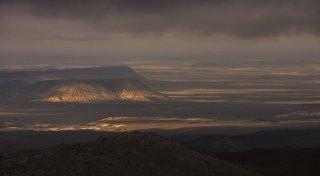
244	19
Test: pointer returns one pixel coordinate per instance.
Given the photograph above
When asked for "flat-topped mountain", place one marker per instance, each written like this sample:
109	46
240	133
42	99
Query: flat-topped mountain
117	155
108	72
80	91
79	85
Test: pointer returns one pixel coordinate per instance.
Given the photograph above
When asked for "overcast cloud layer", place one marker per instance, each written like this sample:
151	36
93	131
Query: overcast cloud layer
119	28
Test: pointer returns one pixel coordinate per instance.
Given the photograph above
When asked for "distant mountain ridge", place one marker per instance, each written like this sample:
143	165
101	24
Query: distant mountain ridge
108	72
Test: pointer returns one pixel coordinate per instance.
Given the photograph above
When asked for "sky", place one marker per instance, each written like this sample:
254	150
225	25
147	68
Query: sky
112	31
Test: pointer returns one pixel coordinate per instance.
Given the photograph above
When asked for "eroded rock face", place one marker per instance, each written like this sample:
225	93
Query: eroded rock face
120	154
106	90
81	91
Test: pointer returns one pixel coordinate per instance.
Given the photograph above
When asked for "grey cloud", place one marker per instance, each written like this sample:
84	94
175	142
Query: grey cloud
243	19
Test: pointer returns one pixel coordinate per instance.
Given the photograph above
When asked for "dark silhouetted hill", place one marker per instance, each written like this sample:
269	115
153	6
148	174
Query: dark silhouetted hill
120	154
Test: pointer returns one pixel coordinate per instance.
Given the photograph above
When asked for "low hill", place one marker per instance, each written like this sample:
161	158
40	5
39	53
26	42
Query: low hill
119	155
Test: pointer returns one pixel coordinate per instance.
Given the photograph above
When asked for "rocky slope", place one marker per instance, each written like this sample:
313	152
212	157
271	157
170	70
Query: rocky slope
119	155
80	91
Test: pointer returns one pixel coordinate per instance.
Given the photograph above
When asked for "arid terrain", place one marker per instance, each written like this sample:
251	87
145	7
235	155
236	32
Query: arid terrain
159	87
242	118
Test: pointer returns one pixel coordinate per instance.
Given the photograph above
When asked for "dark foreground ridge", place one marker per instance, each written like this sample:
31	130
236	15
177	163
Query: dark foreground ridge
119	155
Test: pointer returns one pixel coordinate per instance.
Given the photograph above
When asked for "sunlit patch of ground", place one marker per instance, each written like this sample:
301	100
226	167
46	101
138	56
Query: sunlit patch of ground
140	123
224	91
233	80
203	100
300	115
295	102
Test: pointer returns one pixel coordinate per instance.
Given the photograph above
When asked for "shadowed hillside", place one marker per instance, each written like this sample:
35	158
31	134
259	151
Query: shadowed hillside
119	155
277	162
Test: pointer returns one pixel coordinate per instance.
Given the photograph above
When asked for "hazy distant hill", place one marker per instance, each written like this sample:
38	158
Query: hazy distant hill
117	155
110	72
81	91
